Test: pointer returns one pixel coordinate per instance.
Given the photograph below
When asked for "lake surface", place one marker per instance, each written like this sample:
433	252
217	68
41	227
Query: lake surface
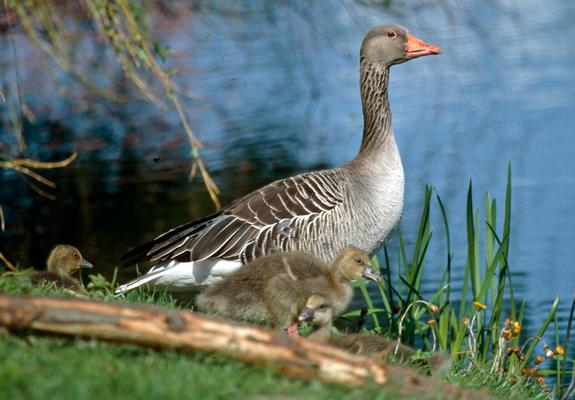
274	91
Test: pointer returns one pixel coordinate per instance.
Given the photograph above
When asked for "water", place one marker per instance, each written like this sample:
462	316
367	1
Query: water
275	93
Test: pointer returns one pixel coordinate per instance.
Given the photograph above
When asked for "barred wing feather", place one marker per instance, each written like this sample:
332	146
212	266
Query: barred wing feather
254	225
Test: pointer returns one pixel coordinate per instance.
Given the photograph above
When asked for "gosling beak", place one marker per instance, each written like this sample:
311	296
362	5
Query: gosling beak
369	274
418	48
306	315
85	264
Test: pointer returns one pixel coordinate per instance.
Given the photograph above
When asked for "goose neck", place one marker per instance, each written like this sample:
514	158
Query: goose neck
374	80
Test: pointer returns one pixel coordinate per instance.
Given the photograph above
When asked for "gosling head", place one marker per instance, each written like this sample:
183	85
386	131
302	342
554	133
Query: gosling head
318	311
66	259
387	45
353	263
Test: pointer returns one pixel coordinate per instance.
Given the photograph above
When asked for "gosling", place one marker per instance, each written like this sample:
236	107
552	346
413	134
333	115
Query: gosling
241	295
318	313
63	261
286	295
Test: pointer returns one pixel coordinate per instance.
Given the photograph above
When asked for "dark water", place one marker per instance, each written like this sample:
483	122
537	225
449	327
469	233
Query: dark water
275	92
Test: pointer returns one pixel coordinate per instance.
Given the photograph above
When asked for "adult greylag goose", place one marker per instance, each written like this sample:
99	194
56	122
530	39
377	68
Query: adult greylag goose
318	212
62	262
275	288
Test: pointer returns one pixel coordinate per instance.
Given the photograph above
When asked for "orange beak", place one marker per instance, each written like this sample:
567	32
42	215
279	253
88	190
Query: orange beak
418	48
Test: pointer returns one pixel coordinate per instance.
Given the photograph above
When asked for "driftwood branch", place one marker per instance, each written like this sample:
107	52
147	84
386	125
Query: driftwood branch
161	328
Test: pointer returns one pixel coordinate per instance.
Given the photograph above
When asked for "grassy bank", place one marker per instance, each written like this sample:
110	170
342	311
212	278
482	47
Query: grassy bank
35	367
51	368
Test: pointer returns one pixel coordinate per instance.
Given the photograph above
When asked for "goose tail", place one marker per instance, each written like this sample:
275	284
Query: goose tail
150	277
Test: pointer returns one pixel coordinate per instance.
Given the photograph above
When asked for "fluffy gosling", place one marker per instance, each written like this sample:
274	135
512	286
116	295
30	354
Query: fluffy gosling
285	295
241	295
63	261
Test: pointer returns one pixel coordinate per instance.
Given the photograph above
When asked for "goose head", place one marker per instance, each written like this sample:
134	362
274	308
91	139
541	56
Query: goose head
66	259
318	311
353	263
387	45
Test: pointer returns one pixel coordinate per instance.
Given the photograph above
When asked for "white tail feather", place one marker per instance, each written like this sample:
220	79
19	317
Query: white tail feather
175	276
139	281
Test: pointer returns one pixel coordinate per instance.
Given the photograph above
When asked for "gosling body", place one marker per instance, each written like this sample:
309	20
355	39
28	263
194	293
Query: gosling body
239	296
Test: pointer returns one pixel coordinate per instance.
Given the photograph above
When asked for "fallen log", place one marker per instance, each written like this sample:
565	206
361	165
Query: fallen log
162	328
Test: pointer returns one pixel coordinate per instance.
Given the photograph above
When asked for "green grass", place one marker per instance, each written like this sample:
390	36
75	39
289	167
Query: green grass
61	369
498	386
479	339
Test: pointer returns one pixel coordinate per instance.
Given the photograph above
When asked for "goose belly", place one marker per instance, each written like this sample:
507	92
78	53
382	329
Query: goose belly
382	217
377	212
383	202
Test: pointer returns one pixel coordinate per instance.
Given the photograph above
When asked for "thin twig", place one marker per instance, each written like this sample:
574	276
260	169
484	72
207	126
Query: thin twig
7	262
27	171
26	162
2	224
40	191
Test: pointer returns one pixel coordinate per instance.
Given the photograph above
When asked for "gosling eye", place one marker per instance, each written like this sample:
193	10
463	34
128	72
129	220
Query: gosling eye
76	256
322	307
391	34
358	260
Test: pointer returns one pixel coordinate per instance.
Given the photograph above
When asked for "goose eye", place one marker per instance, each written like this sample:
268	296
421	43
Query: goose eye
76	256
391	34
358	260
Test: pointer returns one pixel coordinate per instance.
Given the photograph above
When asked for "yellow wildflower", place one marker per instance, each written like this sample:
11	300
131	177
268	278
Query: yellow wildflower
516	328
479	306
431	323
559	350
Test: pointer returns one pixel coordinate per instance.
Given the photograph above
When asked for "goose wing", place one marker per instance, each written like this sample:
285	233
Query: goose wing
253	225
